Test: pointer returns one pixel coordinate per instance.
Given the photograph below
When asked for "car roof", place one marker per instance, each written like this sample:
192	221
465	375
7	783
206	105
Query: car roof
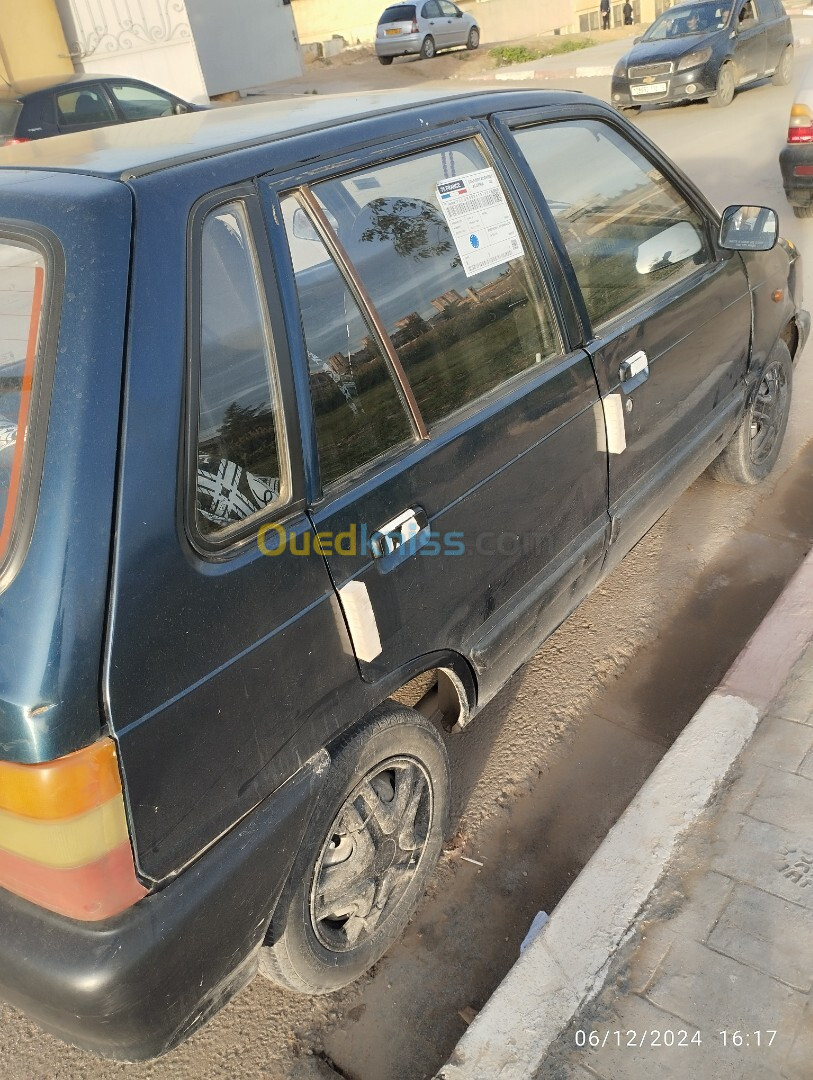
126	151
25	87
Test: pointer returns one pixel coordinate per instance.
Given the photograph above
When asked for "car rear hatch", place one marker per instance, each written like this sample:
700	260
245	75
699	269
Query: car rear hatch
397	20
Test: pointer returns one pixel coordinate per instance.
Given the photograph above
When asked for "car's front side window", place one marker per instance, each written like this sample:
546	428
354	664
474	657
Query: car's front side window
241	463
628	231
436	245
139	102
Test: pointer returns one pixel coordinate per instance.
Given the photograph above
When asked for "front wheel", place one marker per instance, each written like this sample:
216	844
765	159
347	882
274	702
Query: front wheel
755	445
473	40
428	48
726	86
784	73
632	110
803	211
373	841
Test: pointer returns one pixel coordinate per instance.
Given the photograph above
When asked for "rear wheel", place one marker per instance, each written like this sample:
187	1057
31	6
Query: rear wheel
428	48
473	38
726	85
370	847
803	211
385	60
755	445
784	73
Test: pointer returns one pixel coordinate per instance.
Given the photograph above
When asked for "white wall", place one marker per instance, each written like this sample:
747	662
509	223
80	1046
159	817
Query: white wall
146	39
244	43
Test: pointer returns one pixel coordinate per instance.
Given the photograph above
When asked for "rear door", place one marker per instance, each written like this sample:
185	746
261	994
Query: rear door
460	469
777	30
82	107
454	29
669	316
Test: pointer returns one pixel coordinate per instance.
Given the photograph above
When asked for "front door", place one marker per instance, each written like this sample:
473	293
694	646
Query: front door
462	475
751	45
670	317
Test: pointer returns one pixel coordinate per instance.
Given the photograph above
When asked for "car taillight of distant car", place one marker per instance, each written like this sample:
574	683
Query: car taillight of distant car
800	127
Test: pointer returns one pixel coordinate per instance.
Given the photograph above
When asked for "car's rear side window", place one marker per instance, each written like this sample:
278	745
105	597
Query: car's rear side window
87	105
242	465
22	287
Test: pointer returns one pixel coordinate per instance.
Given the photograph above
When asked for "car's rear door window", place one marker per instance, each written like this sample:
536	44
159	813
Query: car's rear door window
464	307
398	13
629	232
22	287
242	465
84	106
360	414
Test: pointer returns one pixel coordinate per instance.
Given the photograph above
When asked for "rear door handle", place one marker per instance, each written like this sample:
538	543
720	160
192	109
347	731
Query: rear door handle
403	528
633	371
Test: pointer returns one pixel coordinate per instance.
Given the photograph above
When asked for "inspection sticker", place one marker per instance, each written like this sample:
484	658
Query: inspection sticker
479	220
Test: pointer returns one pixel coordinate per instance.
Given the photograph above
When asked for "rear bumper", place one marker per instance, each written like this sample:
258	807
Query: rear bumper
134	986
399	45
798	189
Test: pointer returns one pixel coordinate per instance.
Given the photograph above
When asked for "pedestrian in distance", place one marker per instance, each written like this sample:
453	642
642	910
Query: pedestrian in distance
626	11
604	8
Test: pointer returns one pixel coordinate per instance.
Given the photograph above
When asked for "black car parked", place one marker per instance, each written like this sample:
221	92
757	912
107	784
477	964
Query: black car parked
316	418
43	107
705	50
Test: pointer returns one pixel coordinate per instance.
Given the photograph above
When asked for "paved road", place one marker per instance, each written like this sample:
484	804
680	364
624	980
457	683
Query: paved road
552	762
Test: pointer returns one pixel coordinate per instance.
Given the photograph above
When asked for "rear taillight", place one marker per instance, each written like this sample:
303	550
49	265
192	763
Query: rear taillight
13	142
64	842
803	170
800	127
414	29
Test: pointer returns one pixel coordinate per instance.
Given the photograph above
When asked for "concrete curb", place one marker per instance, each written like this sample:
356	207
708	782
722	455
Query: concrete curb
566	964
580	72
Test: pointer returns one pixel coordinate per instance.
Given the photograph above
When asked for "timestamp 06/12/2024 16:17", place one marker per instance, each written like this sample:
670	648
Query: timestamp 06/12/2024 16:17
668	1038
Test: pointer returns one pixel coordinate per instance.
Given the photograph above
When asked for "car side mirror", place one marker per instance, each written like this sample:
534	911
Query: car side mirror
180	109
748	228
635	40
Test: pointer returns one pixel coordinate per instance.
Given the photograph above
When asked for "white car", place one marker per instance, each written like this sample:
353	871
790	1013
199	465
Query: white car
424	29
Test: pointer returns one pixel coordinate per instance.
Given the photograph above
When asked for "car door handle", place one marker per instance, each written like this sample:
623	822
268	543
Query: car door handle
398	532
634	370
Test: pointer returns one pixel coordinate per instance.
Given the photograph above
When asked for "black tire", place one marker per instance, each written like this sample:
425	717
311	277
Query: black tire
373	841
385	60
428	48
755	445
632	110
473	40
803	211
784	73
726	85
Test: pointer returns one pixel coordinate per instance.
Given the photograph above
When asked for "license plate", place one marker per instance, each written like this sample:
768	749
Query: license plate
652	88
396	31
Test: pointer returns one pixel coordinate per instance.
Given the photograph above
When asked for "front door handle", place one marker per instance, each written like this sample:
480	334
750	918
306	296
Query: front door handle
403	528
633	371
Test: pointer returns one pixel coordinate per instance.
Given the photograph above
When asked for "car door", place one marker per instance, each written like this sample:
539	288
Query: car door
668	316
777	31
751	42
460	470
434	23
138	102
82	107
455	31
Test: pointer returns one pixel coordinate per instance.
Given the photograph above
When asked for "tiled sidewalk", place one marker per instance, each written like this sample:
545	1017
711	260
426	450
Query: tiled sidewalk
722	960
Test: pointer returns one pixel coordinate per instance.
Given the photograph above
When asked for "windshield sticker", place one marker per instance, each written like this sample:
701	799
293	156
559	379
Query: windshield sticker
479	220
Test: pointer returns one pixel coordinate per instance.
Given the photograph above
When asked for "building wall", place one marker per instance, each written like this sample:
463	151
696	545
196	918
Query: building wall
499	20
32	43
145	39
587	17
244	43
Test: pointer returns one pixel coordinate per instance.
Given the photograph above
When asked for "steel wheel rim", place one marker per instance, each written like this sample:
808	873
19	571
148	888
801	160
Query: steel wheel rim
474	39
371	854
429	49
767	411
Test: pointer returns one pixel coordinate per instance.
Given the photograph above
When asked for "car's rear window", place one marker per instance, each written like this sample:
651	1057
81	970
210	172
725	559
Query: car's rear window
398	13
9	115
22	283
